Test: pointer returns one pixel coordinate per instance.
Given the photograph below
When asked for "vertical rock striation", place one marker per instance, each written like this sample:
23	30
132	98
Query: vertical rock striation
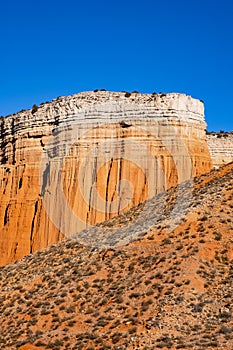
82	159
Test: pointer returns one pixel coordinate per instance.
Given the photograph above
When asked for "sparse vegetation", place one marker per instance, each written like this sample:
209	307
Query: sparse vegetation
176	286
34	109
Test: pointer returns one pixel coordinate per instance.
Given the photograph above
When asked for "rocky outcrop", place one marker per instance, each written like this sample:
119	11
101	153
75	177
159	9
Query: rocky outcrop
221	147
82	159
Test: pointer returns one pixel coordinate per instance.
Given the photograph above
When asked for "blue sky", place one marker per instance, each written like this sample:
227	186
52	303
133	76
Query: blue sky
53	48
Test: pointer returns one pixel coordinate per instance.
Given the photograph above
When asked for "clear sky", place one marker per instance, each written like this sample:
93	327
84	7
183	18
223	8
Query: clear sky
52	48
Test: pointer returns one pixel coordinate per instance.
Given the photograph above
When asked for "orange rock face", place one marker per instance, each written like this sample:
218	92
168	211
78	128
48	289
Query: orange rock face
85	158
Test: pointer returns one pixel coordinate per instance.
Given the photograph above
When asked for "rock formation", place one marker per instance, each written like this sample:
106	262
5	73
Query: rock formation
221	147
83	159
169	289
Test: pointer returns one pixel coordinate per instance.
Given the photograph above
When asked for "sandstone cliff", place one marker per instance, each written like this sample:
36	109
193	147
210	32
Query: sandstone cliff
168	289
221	147
82	159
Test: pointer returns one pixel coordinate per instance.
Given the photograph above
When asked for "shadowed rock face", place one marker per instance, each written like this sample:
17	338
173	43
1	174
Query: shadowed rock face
83	159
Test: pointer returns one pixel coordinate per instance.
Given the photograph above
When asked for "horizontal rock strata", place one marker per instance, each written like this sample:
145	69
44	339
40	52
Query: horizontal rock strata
221	147
83	159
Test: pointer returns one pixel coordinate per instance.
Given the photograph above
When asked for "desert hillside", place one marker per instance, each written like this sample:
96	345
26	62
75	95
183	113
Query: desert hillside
162	279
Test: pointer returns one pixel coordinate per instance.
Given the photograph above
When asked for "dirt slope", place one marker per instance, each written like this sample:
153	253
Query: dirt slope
169	288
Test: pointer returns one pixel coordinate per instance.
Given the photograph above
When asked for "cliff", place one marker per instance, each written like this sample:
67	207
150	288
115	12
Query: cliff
221	147
167	289
83	159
